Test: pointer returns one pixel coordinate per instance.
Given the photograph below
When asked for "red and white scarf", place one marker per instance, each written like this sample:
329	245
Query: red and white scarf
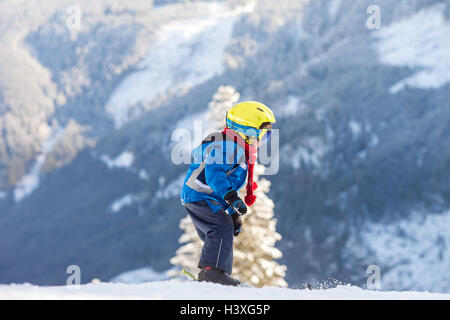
251	152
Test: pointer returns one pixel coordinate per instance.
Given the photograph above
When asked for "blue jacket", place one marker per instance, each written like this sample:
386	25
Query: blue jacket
219	166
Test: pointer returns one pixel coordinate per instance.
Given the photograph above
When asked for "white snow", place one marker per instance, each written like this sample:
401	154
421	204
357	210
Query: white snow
355	127
124	160
374	140
412	253
29	182
143	175
296	107
140	275
292	108
184	54
420	42
180	290
126	200
172	189
310	152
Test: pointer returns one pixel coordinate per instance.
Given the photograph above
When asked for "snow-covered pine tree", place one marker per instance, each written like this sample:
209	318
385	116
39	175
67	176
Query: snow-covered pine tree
188	255
254	248
224	98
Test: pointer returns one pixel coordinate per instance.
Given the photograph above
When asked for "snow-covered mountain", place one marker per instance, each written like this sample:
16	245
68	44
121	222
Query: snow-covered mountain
186	53
86	117
413	251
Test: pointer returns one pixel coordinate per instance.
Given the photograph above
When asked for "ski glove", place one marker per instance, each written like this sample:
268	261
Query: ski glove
237	223
235	202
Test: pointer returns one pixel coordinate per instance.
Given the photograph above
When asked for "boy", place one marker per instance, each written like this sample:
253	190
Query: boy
210	191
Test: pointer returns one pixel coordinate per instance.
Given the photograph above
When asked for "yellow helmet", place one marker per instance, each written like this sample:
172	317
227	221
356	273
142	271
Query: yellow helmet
248	118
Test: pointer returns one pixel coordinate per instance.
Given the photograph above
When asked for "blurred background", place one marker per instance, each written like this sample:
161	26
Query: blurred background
91	91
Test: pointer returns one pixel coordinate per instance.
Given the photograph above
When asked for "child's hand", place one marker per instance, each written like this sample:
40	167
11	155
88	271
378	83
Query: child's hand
237	222
235	202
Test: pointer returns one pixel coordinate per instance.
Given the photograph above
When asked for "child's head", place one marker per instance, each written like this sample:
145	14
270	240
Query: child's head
251	120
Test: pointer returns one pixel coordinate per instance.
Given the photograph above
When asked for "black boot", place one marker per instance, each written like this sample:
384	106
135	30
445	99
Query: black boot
217	276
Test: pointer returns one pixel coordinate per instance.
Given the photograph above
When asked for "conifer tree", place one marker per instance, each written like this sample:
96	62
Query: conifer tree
254	249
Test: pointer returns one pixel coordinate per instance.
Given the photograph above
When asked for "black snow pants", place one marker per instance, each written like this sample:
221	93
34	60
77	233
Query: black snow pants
216	230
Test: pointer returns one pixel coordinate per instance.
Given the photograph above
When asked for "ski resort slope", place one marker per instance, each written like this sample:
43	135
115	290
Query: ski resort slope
177	290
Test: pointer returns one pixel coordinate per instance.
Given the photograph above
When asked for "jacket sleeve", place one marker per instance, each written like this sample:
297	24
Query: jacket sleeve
238	178
216	168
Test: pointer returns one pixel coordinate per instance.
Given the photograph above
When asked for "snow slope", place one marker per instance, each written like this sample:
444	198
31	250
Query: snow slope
139	276
424	49
177	290
185	54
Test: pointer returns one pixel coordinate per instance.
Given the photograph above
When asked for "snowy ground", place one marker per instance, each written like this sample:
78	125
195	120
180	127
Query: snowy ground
177	290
